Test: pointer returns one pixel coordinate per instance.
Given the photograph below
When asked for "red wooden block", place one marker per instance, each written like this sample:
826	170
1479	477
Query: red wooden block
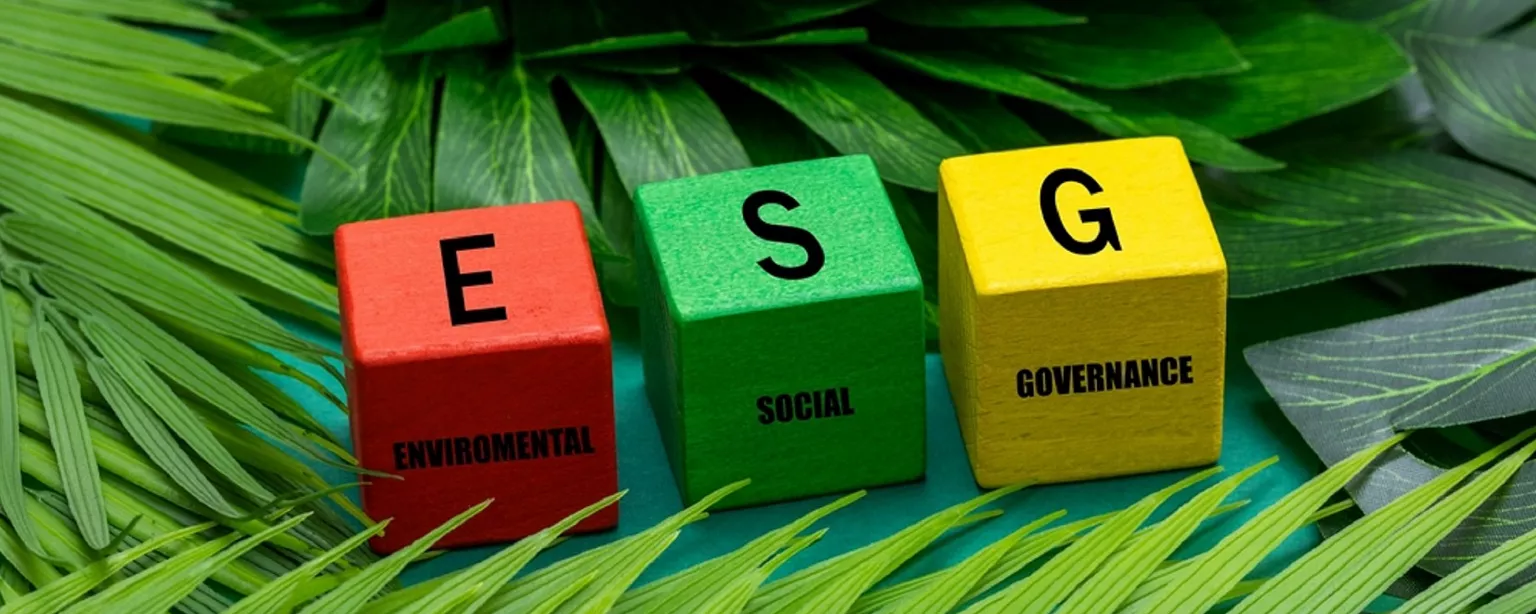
478	366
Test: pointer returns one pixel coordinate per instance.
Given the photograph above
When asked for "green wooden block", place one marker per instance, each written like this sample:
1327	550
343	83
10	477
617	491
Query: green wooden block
782	324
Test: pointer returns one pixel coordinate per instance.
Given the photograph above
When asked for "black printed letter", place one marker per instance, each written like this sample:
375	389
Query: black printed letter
751	212
1107	235
457	281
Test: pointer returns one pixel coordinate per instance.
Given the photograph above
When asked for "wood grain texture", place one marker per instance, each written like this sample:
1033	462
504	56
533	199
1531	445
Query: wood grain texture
517	409
724	339
1014	297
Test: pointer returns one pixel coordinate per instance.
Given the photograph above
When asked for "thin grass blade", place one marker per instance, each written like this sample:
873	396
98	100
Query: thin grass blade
1357	564
1112	584
59	594
60	389
1043	590
278	595
12	496
355	592
1204	581
498	569
161	399
676	591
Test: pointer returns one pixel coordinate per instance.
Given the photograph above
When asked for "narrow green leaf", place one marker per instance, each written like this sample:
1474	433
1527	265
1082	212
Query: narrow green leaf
975	119
1055	581
351	595
108	42
617	564
31	566
12	495
979	71
642	62
12	584
163	591
139	94
658	127
836	584
66	423
384	134
945	590
1519	601
1113	583
172	357
723	20
1461	590
131	588
974	14
681	592
276	596
831	36
90	245
852	110
115	157
171	13
1204	581
543	29
738	591
156	441
1303	64
1316	222
45	172
501	142
1133	116
497	569
1124	44
1482	96
1374	551
416	27
1471	18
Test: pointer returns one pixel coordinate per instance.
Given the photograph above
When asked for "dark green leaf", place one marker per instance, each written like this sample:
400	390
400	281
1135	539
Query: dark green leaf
1303	64
1135	116
852	110
411	26
666	61
975	70
838	36
1125	44
501	142
1461	362
973	14
712	19
617	211
975	119
384	134
1316	222
1484	95
554	29
769	133
1525	36
1449	17
279	87
658	128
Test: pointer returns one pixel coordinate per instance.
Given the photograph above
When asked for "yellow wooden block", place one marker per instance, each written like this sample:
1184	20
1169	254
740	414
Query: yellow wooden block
1082	305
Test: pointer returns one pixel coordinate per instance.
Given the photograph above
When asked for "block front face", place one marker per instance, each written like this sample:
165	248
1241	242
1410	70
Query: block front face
478	367
1094	350
783	330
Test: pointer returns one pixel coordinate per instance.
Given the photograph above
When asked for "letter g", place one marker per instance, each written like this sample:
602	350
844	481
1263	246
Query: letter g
1107	235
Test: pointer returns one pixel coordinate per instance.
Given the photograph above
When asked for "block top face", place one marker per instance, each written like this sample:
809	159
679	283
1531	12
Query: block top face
512	277
777	235
1080	214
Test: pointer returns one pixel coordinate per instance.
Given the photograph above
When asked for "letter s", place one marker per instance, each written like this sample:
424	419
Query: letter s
751	212
765	409
1107	234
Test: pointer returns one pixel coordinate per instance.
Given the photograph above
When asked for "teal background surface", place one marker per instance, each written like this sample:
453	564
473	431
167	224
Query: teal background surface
1254	430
